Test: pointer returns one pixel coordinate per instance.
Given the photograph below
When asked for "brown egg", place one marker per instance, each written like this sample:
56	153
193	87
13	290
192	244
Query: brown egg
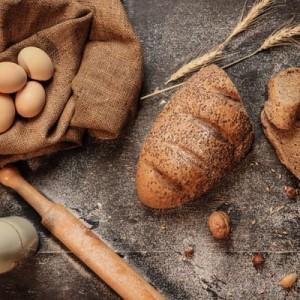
12	77
31	100
36	63
7	112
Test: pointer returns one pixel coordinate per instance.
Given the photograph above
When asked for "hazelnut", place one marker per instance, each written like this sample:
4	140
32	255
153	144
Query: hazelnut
291	192
258	260
189	252
219	225
288	281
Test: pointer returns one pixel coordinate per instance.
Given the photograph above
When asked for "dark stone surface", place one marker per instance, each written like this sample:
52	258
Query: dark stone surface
264	220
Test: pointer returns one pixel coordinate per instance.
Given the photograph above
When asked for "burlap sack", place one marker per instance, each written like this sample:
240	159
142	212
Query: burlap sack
98	64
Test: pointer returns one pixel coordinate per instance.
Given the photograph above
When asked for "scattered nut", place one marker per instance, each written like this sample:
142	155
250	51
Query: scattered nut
219	225
288	281
291	192
258	261
189	252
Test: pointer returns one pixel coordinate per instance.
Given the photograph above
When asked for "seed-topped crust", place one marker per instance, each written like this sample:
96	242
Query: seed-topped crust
200	134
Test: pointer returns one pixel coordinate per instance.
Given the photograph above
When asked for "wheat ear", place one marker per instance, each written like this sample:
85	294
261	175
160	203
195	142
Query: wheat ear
281	37
260	7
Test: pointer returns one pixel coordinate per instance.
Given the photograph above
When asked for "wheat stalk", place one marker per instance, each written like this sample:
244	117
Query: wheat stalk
260	7
281	37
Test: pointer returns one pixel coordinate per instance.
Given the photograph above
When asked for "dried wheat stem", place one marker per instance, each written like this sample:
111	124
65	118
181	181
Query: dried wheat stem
158	92
208	58
241	59
260	7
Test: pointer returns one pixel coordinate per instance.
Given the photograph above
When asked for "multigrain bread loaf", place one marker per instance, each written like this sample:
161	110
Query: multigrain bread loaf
200	134
281	120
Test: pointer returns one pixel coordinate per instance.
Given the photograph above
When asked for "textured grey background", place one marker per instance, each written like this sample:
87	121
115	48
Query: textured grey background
97	182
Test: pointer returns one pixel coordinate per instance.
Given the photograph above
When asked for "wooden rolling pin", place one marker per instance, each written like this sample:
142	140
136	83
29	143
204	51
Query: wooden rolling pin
81	241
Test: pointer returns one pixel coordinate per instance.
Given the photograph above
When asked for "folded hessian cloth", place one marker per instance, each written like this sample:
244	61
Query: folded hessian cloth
98	72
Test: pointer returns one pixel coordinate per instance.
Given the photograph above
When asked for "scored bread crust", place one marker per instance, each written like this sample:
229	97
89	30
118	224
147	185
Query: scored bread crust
280	117
200	134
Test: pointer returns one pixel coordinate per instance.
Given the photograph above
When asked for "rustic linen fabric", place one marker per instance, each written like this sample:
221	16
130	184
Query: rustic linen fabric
98	65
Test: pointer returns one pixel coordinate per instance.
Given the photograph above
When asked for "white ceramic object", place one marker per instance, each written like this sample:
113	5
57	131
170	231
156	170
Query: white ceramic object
18	239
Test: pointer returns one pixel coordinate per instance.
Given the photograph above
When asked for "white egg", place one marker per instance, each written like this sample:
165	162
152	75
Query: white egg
31	100
12	77
36	63
7	112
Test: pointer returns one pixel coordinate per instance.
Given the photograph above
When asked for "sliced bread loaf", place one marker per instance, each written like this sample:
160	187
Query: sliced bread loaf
281	119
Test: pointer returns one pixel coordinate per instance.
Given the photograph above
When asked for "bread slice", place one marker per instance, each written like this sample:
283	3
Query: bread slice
286	144
283	106
200	134
280	117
